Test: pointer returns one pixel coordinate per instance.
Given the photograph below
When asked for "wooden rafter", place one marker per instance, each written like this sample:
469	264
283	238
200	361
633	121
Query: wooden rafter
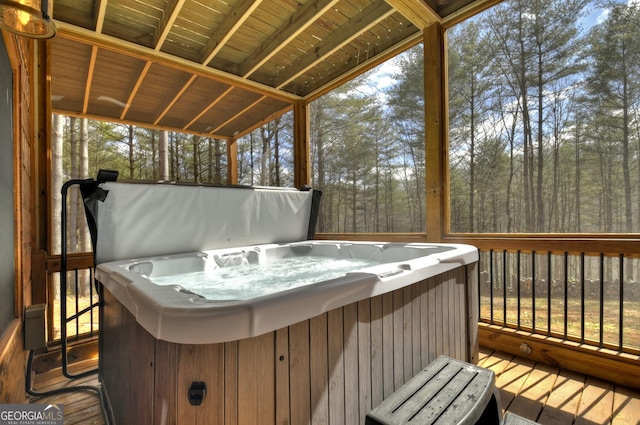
211	105
81	35
175	98
168	18
416	11
227	29
285	50
135	89
239	114
300	21
90	71
350	31
101	8
266	120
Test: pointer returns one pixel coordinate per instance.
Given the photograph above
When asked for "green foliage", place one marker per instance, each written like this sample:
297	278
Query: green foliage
552	108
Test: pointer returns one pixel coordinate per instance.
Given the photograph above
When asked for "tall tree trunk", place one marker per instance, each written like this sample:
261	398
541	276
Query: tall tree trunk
276	158
540	218
83	173
218	162
472	157
57	137
196	160
131	154
73	194
163	156
626	172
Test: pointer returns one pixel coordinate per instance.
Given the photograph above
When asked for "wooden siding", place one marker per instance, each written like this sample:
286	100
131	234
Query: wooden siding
330	369
21	52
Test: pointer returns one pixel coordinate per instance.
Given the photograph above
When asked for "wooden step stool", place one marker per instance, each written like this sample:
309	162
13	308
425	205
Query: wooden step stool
448	391
513	419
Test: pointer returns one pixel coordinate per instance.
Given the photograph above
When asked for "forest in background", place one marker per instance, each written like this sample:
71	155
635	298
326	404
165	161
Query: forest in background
544	117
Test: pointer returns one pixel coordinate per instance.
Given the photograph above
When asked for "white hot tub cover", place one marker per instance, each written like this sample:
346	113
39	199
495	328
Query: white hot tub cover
140	220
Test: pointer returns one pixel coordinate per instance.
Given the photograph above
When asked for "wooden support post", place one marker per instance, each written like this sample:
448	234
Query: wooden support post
232	161
301	144
435	130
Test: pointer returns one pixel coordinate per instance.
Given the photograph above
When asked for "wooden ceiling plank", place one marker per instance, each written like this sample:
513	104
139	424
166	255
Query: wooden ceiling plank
102	11
175	98
245	110
84	36
227	29
416	11
347	33
135	89
90	71
300	21
166	23
211	105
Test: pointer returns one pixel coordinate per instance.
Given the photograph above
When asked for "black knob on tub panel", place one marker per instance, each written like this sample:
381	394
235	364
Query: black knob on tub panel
197	393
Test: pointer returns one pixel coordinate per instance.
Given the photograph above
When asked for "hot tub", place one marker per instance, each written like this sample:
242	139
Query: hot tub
230	294
324	351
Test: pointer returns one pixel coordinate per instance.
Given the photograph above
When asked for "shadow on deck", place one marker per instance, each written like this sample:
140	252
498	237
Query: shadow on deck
530	389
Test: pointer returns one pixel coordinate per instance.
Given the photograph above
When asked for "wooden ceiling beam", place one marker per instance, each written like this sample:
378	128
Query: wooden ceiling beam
211	105
134	122
84	36
135	89
175	98
348	32
268	119
300	21
90	71
229	26
239	114
101	8
416	11
166	23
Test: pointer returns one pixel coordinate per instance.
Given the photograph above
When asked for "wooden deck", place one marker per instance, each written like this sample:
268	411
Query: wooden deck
533	390
552	396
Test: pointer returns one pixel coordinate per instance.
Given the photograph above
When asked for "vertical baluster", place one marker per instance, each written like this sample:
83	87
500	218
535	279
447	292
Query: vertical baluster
77	303
566	294
504	287
518	276
90	283
621	303
548	293
582	297
491	284
533	290
601	336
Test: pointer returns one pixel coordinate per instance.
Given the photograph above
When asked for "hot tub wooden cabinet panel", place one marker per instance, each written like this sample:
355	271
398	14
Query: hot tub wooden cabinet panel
330	369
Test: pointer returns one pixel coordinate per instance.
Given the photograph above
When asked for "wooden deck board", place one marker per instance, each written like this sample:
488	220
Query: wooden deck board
626	407
596	404
533	396
563	402
534	390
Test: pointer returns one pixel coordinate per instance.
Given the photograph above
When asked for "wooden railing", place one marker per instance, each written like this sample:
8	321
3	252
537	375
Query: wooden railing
572	301
567	300
81	298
